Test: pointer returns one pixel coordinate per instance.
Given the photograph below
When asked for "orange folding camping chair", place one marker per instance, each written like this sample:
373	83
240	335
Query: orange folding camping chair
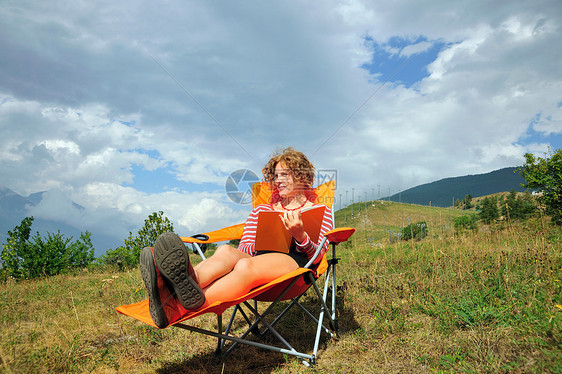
291	286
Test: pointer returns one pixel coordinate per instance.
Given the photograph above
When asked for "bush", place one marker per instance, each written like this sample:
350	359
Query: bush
24	258
416	230
467	222
127	256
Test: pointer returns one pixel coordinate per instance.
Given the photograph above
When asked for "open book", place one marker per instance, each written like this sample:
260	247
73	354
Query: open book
272	235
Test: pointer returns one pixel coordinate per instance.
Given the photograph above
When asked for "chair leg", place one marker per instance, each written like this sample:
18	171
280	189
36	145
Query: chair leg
323	309
293	302
334	303
268	327
220	343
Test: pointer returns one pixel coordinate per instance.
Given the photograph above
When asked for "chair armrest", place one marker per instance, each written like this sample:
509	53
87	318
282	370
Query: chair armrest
335	236
340	234
224	234
315	256
199	241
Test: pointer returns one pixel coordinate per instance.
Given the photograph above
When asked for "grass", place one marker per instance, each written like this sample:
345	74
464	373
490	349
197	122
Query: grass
380	221
486	302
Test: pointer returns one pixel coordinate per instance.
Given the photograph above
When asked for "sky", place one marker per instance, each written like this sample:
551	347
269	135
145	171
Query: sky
132	107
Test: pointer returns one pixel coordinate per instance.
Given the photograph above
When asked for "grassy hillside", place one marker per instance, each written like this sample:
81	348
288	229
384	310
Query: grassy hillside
489	302
378	221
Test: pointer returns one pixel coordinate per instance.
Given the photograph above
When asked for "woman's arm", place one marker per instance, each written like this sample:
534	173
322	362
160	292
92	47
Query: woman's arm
308	246
248	241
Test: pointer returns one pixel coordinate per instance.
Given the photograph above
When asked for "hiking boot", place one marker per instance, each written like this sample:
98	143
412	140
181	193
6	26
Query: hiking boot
172	260
161	302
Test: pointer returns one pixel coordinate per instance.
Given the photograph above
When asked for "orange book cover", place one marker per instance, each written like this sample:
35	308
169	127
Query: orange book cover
272	235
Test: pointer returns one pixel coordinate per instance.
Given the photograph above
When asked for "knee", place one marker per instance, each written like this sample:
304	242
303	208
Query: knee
225	250
244	266
226	254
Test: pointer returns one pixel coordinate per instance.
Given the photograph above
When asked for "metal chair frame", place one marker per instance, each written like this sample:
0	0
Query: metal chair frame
328	311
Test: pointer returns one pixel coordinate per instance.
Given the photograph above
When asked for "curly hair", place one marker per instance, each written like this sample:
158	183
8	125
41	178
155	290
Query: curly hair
300	167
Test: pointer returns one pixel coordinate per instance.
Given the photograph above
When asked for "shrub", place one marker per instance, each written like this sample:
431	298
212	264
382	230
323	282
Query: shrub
24	258
467	222
416	230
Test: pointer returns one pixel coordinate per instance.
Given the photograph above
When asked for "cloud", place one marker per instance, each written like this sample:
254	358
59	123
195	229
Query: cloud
468	116
415	49
550	120
97	99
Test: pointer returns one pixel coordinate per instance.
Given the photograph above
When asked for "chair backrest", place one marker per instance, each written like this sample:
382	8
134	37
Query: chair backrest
261	193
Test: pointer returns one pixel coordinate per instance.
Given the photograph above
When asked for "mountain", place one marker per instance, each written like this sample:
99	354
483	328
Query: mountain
11	202
445	192
14	208
36	198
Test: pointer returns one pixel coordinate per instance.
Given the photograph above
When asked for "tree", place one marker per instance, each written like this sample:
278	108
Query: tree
25	258
545	174
81	252
518	207
128	255
527	204
16	247
154	225
489	209
467	202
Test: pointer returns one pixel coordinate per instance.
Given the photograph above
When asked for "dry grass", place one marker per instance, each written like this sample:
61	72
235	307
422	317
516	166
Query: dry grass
379	221
489	302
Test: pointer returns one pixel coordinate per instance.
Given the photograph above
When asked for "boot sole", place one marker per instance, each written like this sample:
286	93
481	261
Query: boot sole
172	260
149	277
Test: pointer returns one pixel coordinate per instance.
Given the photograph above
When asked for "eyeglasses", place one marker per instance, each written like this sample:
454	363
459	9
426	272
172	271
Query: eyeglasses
281	176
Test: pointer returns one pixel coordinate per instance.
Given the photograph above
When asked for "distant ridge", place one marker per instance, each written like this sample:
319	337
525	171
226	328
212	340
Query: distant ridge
445	192
14	208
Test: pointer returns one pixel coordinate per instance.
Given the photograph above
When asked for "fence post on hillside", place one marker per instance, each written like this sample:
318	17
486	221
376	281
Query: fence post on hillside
365	221
346	205
340	201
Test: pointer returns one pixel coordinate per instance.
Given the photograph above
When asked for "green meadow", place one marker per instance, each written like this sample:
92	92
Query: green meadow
488	301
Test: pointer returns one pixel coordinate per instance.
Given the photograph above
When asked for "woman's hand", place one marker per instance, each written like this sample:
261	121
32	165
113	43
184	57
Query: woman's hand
293	223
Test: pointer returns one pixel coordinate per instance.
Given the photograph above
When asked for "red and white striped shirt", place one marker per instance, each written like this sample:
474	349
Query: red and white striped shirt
248	241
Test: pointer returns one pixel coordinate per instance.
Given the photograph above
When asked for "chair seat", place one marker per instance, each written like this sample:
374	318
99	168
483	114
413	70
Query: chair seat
141	312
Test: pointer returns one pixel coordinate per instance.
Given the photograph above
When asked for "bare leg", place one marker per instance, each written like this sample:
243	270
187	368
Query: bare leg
248	273
220	263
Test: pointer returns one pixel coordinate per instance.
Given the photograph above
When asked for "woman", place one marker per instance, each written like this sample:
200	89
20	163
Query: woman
232	272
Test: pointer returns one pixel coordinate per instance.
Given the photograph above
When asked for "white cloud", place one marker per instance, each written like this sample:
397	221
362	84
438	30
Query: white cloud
415	49
190	212
550	121
199	90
